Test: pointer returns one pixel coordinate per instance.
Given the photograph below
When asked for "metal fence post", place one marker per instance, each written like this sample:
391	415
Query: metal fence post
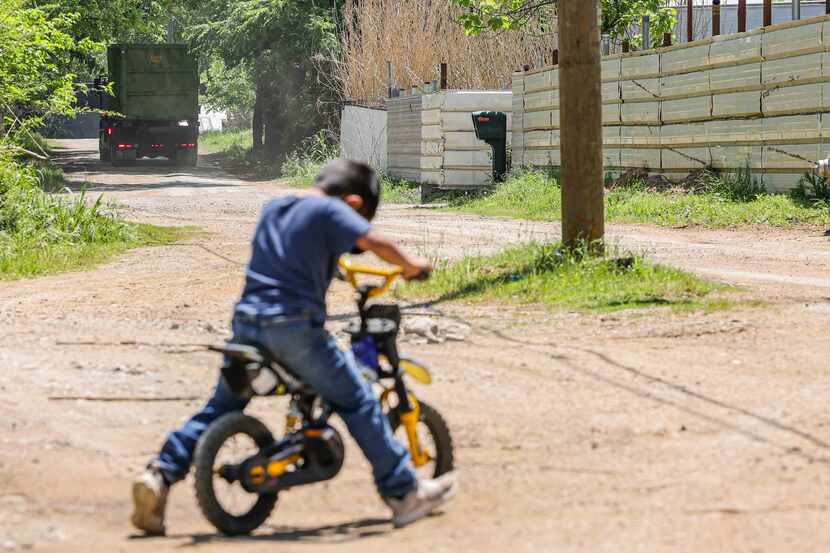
767	13
741	16
646	33
715	17
690	21
796	10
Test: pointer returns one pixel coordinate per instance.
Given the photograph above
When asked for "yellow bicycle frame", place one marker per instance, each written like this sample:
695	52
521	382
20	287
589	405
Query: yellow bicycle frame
409	420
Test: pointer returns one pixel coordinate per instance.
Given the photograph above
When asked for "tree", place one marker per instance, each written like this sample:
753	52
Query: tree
105	21
34	80
618	16
284	43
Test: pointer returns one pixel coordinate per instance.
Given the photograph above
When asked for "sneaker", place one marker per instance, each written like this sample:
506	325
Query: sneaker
421	501
149	501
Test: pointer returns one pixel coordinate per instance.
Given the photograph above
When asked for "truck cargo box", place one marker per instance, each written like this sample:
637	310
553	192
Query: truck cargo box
154	81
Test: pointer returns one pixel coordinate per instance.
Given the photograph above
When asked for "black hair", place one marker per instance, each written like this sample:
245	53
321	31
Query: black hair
342	177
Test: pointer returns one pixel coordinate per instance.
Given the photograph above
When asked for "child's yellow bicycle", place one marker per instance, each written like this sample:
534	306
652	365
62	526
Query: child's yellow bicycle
237	490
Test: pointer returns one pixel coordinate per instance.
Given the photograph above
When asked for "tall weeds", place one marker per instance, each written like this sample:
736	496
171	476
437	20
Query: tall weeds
418	35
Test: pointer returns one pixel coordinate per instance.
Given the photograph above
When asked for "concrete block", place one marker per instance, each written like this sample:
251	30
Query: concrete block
537	158
456	178
685	84
641	112
687	109
640	136
725	79
736	104
731	50
542	80
458	140
792	128
470	100
432	132
555	157
792	99
640	157
797	68
790	41
798	157
683	134
610	113
611	69
611	157
736	157
537	120
537	139
468	159
685	158
735	130
458	121
548	99
610	91
640	89
780	182
684	59
432	148
640	66
431	117
611	136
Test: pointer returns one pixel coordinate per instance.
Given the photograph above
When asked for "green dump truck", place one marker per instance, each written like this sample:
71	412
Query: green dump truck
156	98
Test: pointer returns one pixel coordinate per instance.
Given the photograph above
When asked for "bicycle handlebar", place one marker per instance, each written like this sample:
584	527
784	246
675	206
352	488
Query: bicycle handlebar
389	274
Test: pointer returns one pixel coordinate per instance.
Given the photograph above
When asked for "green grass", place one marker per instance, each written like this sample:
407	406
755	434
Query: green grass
722	202
550	275
234	145
43	233
24	260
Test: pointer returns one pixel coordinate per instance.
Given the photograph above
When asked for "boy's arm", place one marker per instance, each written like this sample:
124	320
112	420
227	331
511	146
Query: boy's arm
413	267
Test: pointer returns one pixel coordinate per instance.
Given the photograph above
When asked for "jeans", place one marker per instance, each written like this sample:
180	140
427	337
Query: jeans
312	353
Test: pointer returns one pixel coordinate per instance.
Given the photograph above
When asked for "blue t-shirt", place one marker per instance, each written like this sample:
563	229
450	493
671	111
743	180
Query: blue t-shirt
296	246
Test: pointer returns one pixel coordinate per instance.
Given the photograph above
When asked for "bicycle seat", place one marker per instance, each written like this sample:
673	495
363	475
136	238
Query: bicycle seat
245	362
241	352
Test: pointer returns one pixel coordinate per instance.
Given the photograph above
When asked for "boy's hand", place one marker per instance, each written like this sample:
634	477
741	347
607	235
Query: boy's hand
418	269
413	267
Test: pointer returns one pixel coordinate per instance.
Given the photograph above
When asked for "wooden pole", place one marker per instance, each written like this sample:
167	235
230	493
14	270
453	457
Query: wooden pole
741	16
690	20
715	17
666	39
767	13
554	59
443	76
626	45
580	78
827	7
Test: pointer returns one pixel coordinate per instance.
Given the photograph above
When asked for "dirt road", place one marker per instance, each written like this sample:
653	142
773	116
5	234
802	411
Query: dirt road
631	432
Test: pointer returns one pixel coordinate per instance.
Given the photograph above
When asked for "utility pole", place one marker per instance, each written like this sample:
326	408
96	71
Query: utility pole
580	74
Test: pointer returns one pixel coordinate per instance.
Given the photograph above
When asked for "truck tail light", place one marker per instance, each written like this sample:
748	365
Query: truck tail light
157	146
109	131
124	146
186	145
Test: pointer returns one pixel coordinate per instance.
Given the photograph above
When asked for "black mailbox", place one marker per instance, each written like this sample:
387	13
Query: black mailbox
491	127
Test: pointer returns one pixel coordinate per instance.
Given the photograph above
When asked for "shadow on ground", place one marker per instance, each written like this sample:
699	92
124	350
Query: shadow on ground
331	534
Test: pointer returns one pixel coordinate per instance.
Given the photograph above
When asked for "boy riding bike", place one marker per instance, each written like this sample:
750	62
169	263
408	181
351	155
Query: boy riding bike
296	246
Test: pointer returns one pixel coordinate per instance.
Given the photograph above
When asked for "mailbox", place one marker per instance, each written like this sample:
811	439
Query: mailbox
491	127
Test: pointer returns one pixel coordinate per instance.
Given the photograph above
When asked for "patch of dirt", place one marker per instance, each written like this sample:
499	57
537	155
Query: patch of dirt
627	432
